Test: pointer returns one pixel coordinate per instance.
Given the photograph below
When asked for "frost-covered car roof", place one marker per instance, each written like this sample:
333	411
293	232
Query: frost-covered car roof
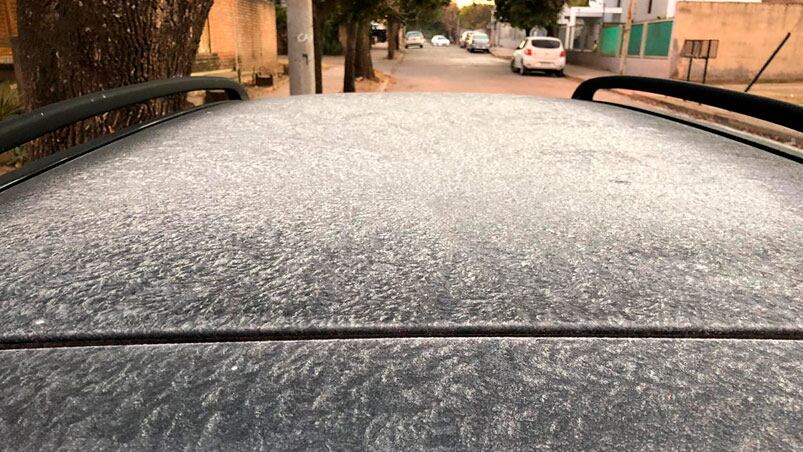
333	253
356	210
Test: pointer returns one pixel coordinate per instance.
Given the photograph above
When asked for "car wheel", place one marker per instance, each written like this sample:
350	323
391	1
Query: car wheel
560	73
513	65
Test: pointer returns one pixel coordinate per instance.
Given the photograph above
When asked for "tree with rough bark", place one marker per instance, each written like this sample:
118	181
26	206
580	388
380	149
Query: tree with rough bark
355	16
69	48
527	14
324	18
393	19
363	64
350	56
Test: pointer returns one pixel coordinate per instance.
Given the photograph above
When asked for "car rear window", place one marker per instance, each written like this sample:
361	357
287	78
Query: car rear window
414	34
545	43
480	37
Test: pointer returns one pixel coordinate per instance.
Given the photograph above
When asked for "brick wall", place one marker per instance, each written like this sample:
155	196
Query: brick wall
6	7
239	28
748	33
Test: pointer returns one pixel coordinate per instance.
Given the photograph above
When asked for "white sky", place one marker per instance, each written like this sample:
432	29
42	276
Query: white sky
462	3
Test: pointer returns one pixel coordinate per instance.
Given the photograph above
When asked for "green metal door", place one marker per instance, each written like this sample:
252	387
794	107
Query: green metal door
610	40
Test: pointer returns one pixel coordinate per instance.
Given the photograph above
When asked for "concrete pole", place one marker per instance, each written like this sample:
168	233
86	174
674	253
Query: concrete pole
626	36
300	47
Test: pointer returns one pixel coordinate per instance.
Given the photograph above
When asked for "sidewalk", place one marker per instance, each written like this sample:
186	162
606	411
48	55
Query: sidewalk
502	52
782	91
791	92
787	92
333	68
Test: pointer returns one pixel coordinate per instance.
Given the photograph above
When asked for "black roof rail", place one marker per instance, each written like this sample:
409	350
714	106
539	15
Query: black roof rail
770	110
29	126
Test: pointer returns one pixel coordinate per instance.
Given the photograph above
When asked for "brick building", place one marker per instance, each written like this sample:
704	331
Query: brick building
238	34
8	28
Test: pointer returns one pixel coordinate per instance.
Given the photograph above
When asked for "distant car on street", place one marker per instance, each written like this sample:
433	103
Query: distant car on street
414	39
539	54
464	38
478	42
440	40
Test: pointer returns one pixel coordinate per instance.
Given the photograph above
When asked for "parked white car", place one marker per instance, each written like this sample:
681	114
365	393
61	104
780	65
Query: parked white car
539	54
440	40
414	39
464	38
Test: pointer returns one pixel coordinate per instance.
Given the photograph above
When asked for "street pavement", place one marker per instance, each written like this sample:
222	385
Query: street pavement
456	70
446	69
452	69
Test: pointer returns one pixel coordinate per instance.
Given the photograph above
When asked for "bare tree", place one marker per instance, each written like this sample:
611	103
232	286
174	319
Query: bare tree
69	48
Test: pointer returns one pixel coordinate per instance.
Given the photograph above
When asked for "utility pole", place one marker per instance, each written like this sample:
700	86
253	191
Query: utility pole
626	36
300	47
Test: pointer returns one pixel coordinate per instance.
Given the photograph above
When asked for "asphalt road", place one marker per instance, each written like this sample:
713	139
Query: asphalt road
454	69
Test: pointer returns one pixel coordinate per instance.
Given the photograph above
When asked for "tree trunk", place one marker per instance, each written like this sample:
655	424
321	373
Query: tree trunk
318	20
350	53
68	48
364	66
393	37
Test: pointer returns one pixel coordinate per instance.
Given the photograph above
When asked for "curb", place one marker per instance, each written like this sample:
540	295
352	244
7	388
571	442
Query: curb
781	136
573	77
721	119
396	62
501	57
384	85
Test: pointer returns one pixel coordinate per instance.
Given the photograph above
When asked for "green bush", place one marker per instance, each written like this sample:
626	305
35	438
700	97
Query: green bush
9	101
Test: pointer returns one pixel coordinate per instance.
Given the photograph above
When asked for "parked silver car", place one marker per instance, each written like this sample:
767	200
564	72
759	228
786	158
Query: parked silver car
414	39
478	42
